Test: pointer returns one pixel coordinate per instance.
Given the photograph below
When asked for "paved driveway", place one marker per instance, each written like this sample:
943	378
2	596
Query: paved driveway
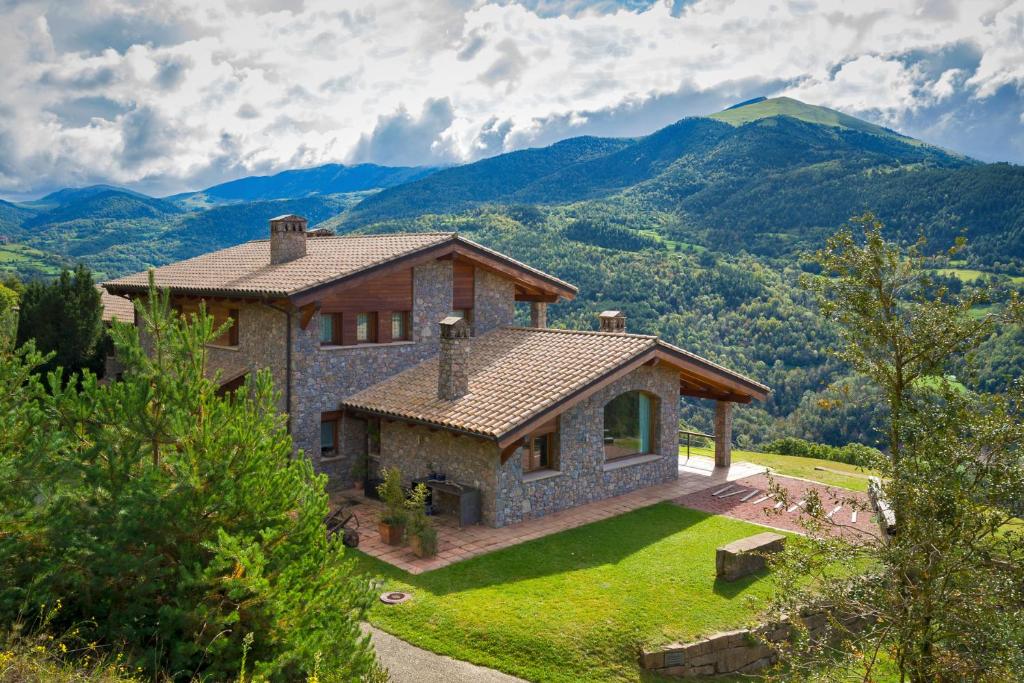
409	664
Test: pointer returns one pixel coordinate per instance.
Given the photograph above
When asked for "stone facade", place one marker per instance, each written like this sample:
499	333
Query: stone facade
323	376
494	302
464	459
583	475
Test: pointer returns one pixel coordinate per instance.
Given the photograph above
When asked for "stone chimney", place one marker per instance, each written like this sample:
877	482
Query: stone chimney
453	359
287	238
612	321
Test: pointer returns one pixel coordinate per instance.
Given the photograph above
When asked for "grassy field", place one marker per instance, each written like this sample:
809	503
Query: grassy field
577	605
845	476
19	258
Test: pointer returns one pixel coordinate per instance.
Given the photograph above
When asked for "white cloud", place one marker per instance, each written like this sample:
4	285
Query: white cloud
170	93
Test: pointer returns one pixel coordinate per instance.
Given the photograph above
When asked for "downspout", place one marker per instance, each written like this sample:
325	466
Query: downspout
287	363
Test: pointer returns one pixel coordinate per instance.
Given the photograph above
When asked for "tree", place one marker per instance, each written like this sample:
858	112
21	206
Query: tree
64	317
8	317
942	599
171	523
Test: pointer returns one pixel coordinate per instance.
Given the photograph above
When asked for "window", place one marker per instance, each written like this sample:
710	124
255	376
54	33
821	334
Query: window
328	435
630	425
220	317
366	328
400	326
540	451
330	329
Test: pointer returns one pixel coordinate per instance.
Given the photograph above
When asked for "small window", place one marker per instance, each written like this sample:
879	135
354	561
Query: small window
366	328
328	437
630	425
221	317
330	328
540	452
400	326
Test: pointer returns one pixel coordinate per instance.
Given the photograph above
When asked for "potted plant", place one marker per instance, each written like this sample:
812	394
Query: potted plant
392	522
422	534
360	472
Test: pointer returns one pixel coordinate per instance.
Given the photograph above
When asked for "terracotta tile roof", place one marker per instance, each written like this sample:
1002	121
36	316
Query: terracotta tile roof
116	307
245	270
515	373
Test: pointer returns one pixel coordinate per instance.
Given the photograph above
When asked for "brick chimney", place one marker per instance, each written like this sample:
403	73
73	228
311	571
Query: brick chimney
287	238
612	321
453	359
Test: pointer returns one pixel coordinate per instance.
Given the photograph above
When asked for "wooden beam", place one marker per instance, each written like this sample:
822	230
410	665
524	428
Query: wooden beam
714	395
509	450
307	314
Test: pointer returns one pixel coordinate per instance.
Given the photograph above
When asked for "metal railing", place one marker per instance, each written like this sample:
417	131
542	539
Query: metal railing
689	436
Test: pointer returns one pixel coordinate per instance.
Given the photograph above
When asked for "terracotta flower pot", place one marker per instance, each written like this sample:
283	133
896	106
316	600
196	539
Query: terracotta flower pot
391	534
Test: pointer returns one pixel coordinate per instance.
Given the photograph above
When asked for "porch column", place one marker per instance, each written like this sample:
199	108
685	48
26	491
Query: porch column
723	433
538	314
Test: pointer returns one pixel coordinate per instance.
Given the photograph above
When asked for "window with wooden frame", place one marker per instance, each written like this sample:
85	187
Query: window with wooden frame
220	317
330	427
540	452
330	329
400	326
366	328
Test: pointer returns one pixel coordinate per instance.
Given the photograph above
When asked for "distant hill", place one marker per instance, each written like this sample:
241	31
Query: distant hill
771	176
327	179
763	108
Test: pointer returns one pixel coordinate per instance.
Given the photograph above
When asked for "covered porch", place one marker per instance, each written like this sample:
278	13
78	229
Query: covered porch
456	544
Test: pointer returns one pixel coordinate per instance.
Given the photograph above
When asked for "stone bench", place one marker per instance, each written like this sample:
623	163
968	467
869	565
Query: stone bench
744	557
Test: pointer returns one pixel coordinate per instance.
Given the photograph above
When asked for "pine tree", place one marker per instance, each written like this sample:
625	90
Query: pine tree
172	523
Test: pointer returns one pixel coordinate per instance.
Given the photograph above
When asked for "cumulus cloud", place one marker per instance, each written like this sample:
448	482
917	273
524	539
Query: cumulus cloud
165	95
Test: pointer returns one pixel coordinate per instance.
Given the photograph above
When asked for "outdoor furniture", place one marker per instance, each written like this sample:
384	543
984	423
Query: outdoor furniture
449	496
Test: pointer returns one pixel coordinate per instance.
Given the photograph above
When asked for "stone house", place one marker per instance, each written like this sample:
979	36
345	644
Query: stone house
403	350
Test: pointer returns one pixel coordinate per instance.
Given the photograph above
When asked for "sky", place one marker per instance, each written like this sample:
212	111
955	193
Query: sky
165	96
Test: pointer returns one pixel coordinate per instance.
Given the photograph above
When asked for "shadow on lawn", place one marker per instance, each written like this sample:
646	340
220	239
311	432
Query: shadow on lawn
599	543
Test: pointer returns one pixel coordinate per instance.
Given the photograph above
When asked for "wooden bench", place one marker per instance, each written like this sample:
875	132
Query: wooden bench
746	556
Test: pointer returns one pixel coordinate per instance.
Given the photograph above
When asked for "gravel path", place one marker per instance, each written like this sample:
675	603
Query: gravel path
410	664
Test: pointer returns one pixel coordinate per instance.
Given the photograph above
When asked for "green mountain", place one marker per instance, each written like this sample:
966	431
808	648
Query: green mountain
694	231
772	175
326	179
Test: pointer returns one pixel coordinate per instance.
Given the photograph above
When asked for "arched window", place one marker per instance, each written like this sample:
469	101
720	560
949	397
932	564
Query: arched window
630	425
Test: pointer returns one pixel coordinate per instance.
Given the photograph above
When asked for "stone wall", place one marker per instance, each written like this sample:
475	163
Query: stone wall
494	302
322	377
464	459
583	474
742	651
261	345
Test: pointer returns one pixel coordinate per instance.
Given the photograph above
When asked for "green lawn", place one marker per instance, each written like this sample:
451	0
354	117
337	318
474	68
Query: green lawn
577	605
796	466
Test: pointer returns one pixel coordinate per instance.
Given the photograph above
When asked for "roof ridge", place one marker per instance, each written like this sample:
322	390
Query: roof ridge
596	333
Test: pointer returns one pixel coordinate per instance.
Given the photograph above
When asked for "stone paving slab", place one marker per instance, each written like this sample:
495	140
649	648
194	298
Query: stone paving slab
788	518
454	544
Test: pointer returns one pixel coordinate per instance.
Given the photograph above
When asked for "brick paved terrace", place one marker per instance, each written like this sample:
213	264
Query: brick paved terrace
455	544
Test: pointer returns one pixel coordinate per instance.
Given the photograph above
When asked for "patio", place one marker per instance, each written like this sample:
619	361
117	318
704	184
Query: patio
455	544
